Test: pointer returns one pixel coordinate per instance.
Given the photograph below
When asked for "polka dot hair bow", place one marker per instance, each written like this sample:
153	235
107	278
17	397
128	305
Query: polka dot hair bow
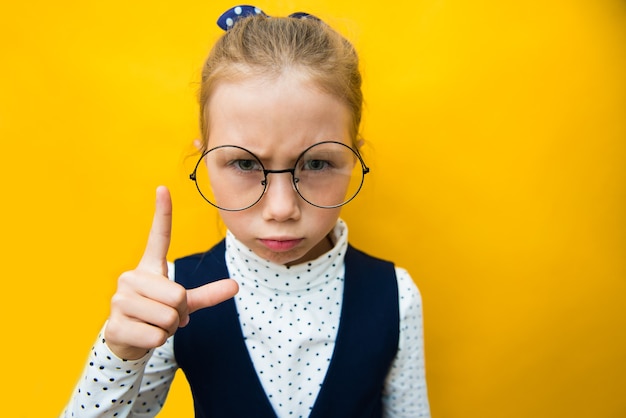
232	15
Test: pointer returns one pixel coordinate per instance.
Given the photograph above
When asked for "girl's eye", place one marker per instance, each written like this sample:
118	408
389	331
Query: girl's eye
315	165
246	165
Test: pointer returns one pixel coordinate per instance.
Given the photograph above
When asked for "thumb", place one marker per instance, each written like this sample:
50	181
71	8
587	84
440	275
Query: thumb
210	295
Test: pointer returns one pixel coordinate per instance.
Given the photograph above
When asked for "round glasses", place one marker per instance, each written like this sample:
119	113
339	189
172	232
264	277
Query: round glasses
326	175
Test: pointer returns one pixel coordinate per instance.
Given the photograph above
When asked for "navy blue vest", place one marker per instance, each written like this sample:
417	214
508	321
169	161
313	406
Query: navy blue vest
213	355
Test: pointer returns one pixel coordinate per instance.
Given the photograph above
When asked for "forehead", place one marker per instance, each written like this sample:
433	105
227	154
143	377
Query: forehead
273	115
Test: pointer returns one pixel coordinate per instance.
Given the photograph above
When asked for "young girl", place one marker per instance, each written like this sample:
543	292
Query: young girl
305	325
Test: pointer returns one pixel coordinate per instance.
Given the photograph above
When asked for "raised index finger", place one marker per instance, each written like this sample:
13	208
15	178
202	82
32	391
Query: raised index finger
155	255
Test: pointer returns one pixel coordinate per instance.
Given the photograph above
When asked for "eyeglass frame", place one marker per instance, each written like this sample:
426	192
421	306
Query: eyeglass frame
364	170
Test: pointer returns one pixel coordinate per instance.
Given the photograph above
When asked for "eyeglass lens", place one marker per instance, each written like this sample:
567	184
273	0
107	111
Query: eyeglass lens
327	175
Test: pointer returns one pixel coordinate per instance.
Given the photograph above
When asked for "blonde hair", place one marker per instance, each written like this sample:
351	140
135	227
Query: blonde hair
268	46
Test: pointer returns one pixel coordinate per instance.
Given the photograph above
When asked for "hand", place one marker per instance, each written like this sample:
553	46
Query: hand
147	307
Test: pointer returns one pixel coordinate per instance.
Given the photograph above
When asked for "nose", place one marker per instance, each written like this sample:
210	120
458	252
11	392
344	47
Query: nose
280	202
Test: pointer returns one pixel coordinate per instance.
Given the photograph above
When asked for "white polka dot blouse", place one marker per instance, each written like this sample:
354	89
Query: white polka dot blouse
289	317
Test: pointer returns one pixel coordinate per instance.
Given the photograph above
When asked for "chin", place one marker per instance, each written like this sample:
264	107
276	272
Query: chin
287	258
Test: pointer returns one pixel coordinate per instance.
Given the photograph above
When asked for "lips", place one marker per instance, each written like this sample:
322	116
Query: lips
280	244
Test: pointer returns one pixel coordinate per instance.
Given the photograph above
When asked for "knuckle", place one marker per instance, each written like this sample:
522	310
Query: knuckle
156	338
180	294
119	301
170	319
126	279
114	332
177	295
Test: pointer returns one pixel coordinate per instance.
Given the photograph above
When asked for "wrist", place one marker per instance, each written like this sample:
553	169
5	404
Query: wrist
125	352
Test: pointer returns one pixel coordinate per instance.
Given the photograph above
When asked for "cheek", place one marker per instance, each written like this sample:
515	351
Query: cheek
238	222
321	221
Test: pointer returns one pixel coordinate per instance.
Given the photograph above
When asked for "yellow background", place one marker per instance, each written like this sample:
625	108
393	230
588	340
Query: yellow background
496	134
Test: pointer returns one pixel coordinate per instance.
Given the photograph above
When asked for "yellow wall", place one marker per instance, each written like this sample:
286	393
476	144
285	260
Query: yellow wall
496	136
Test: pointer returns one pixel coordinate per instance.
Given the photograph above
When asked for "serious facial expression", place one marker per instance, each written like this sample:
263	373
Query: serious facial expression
277	119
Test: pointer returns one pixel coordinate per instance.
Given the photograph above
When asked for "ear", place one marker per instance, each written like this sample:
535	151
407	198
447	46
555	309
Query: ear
198	144
360	143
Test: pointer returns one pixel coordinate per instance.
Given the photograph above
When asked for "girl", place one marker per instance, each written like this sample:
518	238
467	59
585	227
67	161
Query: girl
306	325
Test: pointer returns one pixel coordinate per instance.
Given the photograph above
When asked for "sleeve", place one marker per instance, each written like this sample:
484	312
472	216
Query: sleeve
110	386
113	387
405	394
